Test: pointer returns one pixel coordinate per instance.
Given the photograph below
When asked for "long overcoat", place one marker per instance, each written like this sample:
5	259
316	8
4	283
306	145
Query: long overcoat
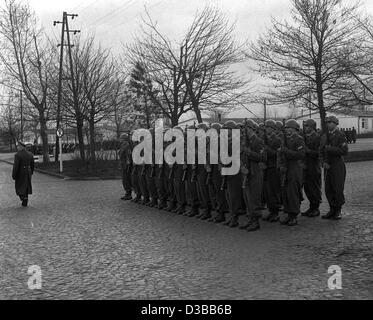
23	169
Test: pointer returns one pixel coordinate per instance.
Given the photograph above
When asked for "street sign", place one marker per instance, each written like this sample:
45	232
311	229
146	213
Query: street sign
59	133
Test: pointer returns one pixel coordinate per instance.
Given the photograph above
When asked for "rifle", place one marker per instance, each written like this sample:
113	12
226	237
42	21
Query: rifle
160	175
265	155
152	172
208	165
283	158
185	170
326	157
246	164
171	174
143	170
194	173
223	186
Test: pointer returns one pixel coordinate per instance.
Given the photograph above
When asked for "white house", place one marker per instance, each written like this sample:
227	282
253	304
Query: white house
362	121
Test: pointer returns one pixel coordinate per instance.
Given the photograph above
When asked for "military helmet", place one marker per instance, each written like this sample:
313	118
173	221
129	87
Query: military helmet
332	119
124	136
230	125
292	124
251	124
178	128
203	126
271	124
310	123
216	126
279	125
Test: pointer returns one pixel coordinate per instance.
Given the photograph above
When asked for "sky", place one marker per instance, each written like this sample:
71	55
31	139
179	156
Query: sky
117	22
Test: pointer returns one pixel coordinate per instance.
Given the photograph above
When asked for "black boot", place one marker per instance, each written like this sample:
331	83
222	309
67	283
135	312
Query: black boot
232	223
206	214
314	213
337	214
292	221
307	213
137	199
171	207
192	212
219	218
329	215
253	225
180	210
25	202
286	220
162	205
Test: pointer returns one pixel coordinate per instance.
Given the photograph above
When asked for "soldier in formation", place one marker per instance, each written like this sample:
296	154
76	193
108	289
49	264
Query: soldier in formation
278	162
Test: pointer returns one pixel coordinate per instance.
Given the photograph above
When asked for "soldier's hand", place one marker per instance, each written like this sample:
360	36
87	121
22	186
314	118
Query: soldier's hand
283	169
284	150
326	165
328	148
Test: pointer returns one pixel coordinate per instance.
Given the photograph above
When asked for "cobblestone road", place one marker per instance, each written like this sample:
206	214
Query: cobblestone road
90	245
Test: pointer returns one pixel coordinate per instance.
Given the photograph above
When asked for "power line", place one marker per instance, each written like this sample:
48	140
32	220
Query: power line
87	6
155	4
115	11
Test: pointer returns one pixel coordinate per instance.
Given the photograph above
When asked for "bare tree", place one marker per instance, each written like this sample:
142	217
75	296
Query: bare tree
99	82
10	125
302	56
195	74
163	66
358	62
144	95
209	52
26	58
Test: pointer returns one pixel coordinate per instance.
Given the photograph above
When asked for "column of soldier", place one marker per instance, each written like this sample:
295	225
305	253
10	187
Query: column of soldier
279	161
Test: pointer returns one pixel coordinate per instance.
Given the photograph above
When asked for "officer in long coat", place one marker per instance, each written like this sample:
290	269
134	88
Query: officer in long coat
333	148
23	169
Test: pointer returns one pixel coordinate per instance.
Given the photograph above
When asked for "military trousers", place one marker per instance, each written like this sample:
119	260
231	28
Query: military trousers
312	185
135	181
202	189
252	193
334	183
272	187
234	195
292	191
127	179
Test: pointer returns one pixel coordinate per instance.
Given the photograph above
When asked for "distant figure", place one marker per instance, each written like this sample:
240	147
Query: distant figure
23	169
354	135
349	135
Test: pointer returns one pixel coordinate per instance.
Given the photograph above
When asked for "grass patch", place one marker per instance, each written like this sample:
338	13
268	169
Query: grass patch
84	169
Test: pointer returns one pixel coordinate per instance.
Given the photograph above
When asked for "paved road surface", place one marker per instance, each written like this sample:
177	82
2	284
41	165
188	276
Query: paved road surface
90	245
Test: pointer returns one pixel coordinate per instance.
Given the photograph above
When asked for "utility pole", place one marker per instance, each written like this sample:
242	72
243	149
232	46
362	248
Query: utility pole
65	29
265	110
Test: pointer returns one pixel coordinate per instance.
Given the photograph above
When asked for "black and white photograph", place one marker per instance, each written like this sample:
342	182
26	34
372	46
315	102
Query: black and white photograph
192	151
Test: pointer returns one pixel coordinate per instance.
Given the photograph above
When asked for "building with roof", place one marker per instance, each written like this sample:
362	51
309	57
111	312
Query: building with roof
362	121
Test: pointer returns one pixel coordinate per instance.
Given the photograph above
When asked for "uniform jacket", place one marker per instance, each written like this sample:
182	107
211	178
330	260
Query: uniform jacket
125	154
337	146
312	142
296	149
23	169
274	143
